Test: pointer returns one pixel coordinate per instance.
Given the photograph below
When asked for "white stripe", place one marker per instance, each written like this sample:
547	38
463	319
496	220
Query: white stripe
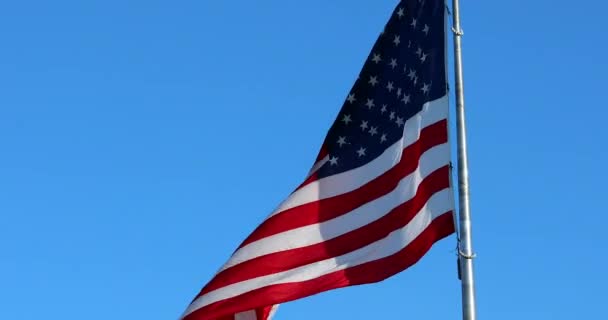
431	113
247	315
431	160
273	311
438	204
318	166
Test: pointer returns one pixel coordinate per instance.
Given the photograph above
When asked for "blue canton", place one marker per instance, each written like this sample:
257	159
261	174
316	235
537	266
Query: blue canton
405	69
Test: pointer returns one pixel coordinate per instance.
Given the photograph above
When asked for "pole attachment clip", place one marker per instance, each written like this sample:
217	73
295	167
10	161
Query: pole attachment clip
459	32
467	256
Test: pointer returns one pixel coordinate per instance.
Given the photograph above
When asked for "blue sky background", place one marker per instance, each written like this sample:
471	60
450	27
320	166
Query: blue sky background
141	141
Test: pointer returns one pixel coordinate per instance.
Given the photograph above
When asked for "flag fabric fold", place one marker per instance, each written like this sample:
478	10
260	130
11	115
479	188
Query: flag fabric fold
376	199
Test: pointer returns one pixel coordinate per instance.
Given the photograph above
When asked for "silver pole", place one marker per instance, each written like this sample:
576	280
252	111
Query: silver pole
465	246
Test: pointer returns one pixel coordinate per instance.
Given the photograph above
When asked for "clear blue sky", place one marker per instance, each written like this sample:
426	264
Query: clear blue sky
141	141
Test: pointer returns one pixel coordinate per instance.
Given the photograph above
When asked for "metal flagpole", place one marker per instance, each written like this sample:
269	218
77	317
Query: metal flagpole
465	247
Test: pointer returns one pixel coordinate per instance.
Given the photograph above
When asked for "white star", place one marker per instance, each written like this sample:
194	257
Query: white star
399	121
419	51
361	152
406	99
392	115
373	80
400	13
414	22
397	40
341	141
383	138
423	58
412	74
370	103
390	87
425	88
373	131
398	92
376	58
415	80
363	125
351	98
347	119
393	63
333	161
426	29
383	110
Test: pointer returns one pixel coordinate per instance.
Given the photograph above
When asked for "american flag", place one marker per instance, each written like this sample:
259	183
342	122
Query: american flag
379	194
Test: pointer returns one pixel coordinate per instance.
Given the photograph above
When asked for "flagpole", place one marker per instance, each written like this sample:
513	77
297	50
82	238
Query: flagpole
465	247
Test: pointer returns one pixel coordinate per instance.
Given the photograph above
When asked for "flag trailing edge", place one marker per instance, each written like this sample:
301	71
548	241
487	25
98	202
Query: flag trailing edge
378	196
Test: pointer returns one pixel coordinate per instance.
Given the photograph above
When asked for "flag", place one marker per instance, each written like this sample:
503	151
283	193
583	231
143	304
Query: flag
378	196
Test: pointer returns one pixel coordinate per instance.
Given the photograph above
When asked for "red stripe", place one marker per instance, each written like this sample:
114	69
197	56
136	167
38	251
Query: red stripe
322	153
330	208
312	178
353	240
370	272
263	313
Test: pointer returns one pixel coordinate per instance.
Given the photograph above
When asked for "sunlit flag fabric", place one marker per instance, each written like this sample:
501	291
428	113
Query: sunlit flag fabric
379	194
